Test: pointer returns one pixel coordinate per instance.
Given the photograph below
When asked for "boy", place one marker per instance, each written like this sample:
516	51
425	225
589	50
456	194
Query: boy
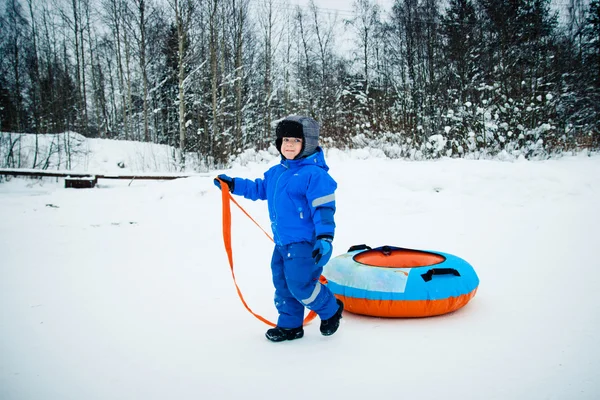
301	201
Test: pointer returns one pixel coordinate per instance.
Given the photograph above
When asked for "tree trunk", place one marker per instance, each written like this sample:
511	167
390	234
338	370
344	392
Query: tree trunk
83	82
142	46
127	45
116	19
181	37
239	70
77	56
268	86
95	83
213	71
35	79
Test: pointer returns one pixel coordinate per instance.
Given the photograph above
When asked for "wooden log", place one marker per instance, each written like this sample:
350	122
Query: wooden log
81	183
65	174
41	173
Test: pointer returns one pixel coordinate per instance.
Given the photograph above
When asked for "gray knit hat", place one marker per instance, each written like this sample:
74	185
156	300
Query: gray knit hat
299	126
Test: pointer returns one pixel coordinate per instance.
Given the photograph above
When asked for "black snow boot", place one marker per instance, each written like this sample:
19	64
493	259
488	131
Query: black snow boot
278	334
331	325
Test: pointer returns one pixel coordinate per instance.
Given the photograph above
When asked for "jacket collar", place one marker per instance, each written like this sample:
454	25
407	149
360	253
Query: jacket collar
317	158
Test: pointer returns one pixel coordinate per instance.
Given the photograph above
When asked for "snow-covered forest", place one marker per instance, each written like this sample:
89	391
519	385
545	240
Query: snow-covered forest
124	292
424	79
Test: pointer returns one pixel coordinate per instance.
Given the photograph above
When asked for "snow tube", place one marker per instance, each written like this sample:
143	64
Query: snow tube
391	281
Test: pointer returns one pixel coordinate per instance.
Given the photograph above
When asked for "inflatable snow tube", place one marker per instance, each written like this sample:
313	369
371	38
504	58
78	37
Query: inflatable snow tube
396	282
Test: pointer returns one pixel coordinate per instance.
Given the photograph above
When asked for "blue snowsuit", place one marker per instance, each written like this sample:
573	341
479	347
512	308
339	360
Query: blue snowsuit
301	202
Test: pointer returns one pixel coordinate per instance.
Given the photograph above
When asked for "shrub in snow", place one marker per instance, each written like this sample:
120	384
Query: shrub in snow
49	151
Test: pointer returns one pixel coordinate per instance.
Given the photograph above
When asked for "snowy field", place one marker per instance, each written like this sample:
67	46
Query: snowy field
124	291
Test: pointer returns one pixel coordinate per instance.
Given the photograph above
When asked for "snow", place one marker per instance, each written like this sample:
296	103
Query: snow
124	291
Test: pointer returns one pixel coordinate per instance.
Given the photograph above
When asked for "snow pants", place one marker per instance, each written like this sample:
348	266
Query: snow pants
296	280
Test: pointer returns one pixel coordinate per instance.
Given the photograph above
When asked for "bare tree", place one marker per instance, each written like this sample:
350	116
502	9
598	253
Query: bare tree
270	38
15	29
306	65
183	10
128	49
214	72
114	19
328	90
34	70
142	9
240	13
576	21
365	24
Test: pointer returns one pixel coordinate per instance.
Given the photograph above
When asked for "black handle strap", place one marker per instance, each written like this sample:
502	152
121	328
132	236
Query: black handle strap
439	271
359	247
386	250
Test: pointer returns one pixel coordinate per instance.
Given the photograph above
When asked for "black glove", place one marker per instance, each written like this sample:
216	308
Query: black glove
229	181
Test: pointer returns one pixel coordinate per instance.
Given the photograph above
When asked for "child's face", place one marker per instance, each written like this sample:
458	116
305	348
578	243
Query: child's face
290	147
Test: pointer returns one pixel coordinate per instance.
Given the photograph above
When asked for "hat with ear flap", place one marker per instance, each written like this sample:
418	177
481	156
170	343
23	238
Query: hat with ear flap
302	127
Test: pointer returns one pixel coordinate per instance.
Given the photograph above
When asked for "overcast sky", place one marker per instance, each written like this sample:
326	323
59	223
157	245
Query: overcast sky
344	7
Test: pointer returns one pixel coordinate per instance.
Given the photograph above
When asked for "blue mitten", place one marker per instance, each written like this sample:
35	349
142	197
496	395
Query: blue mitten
322	251
229	181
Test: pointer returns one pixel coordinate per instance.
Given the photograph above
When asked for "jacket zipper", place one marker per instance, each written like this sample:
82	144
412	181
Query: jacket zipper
274	202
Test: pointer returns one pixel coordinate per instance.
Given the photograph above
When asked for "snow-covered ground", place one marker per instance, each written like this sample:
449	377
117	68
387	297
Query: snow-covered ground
124	291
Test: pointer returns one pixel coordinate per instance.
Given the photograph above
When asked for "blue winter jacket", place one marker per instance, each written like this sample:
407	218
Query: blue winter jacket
300	195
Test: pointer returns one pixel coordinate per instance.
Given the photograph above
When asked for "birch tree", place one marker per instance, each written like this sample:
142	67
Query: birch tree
142	9
114	19
365	25
324	32
270	38
15	31
239	27
183	11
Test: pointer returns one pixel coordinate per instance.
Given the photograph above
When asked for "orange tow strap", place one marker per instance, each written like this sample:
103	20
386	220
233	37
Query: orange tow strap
226	198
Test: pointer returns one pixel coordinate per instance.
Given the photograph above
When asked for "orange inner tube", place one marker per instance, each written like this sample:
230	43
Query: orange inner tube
399	258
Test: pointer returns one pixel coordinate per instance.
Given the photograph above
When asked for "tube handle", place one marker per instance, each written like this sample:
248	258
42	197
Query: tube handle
438	271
